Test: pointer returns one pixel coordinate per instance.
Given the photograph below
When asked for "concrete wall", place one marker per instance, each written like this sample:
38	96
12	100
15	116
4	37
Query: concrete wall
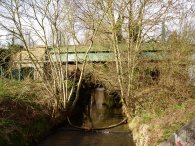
183	137
24	59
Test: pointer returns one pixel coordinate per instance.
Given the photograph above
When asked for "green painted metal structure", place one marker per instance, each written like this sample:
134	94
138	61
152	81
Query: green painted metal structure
107	56
153	55
91	57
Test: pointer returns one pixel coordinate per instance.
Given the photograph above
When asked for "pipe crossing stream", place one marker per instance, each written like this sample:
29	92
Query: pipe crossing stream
99	117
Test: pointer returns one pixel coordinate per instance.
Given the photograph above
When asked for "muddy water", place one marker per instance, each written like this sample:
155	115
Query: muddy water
73	138
69	136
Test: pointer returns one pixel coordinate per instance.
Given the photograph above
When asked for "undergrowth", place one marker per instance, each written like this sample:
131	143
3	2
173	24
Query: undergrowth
23	118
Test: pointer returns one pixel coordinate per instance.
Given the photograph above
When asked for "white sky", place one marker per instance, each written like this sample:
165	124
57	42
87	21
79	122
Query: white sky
171	25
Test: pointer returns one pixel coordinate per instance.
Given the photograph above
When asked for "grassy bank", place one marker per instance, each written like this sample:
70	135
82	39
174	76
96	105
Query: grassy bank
160	117
161	106
25	116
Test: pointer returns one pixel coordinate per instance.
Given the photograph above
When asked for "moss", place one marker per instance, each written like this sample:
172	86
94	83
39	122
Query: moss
36	130
6	122
40	127
12	138
147	118
179	107
7	87
2	141
159	112
190	115
168	131
24	121
14	132
24	135
17	139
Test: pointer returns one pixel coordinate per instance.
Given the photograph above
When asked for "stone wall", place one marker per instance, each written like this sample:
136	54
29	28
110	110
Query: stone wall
183	137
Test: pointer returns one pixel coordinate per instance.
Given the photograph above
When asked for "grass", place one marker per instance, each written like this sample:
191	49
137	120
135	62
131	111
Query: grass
9	87
10	134
172	119
16	134
179	106
22	117
168	131
147	118
6	122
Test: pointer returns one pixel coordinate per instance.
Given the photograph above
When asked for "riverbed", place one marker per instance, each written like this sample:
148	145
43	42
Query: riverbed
69	136
100	117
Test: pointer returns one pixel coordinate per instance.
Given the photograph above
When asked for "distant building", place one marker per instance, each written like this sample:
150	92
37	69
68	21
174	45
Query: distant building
29	63
33	62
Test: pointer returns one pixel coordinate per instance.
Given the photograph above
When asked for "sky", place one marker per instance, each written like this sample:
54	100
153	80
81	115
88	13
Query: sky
170	25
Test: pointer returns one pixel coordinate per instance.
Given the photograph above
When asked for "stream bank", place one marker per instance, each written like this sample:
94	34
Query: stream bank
25	116
23	123
24	120
89	131
161	106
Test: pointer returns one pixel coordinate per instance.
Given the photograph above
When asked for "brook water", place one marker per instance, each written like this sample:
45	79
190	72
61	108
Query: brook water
100	117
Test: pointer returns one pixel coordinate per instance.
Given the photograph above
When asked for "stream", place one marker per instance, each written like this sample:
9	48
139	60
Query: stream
70	136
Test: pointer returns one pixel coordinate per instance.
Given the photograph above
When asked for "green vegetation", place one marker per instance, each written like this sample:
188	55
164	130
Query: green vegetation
147	118
156	88
17	134
162	92
24	119
8	87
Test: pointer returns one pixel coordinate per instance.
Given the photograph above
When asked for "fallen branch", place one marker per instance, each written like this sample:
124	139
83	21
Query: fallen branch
124	121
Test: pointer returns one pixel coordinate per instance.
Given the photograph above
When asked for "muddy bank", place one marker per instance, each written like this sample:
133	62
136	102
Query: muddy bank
24	123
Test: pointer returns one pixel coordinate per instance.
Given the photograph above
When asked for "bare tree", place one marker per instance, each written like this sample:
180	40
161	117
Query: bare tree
47	18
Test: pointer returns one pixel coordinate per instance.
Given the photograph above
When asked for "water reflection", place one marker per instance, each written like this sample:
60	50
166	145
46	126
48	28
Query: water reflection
100	117
68	136
78	138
